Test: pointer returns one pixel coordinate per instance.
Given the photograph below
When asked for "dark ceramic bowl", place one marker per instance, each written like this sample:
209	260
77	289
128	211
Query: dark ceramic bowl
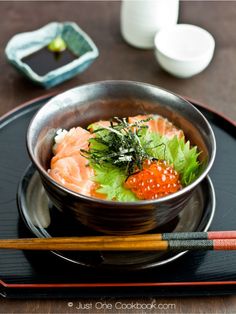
100	101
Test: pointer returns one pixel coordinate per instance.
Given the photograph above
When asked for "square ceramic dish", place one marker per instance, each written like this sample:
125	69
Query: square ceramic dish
25	44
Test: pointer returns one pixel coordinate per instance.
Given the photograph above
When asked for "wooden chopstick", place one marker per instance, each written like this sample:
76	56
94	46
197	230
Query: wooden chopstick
222	240
211	235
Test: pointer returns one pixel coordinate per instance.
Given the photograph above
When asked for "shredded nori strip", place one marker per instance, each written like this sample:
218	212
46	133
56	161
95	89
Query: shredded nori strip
121	145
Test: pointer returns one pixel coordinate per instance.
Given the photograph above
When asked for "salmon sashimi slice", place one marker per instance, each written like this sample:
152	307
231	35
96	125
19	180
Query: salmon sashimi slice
71	143
68	166
99	124
159	124
67	172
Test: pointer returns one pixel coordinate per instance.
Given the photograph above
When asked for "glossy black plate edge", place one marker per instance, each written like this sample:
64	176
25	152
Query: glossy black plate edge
116	292
216	114
18	109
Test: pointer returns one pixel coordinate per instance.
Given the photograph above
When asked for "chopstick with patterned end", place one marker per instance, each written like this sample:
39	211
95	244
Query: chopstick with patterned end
223	240
210	235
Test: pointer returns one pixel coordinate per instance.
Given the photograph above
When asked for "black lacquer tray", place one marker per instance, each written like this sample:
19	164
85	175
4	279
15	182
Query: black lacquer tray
42	274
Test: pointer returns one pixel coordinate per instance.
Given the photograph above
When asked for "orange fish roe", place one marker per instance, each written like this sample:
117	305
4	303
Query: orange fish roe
155	180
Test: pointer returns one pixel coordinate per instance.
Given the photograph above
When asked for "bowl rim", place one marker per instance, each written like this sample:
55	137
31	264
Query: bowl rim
138	203
211	46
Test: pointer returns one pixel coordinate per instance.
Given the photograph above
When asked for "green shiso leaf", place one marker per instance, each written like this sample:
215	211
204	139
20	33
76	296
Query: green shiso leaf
111	180
183	157
111	176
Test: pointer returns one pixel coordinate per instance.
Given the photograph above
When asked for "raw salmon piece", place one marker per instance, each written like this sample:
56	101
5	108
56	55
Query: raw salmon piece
73	141
68	166
159	124
101	123
73	173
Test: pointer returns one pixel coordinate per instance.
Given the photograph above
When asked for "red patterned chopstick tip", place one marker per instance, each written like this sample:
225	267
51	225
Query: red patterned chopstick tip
221	235
225	244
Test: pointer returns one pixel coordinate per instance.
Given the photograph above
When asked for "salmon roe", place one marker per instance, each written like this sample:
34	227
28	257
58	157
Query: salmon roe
155	180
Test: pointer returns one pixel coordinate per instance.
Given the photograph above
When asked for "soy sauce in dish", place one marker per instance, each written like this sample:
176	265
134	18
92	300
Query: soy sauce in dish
44	60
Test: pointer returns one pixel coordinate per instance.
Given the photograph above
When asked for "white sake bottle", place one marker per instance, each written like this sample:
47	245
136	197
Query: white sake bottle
142	19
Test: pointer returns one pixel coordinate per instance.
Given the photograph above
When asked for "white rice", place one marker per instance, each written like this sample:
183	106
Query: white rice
60	135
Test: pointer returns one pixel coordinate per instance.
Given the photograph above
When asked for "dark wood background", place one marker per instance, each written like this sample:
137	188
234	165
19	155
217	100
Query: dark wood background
216	87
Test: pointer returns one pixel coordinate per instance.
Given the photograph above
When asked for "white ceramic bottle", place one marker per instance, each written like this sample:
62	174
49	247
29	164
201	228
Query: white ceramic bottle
142	19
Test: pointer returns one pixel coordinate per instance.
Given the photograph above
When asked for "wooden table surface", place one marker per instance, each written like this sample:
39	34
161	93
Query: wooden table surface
216	86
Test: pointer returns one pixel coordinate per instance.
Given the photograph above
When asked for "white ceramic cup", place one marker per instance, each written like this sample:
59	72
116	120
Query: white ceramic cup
184	50
142	19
